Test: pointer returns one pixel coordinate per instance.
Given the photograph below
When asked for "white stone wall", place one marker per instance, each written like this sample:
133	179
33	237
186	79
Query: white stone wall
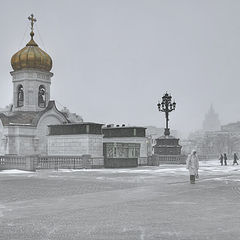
76	145
30	80
18	140
2	140
51	118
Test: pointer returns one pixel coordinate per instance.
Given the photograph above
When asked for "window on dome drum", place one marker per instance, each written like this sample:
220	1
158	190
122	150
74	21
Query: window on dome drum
20	96
42	97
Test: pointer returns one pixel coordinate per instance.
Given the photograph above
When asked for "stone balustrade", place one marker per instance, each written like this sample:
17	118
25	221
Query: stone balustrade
27	163
31	163
156	160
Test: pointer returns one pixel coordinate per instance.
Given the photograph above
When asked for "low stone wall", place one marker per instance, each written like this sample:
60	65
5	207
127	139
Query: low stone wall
27	163
156	160
31	163
69	162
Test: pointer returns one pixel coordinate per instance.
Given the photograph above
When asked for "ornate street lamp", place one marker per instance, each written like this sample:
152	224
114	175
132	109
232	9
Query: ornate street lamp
166	106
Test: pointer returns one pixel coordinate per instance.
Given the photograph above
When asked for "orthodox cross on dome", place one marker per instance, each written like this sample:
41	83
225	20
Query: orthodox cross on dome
32	20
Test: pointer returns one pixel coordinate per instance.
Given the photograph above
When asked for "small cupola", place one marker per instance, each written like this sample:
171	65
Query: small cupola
31	56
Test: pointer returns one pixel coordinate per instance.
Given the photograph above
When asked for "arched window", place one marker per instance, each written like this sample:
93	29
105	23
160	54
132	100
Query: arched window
20	96
42	97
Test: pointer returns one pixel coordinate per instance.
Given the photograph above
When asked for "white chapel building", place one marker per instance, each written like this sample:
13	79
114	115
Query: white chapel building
24	128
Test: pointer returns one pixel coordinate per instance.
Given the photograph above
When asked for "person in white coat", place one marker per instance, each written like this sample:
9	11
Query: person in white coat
193	166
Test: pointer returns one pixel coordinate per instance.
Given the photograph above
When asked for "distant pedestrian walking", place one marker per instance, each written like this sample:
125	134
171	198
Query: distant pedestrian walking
221	159
225	159
235	158
193	166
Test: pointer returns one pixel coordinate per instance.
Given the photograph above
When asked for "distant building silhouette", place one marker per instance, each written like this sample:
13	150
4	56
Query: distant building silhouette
211	121
231	127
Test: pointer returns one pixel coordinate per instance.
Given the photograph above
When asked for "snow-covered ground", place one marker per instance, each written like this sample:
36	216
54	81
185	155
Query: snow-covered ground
67	204
210	167
205	167
14	171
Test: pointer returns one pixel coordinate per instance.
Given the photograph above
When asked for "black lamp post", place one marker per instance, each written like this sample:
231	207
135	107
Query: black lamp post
166	106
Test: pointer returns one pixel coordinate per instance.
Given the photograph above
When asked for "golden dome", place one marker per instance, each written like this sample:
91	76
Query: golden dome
31	57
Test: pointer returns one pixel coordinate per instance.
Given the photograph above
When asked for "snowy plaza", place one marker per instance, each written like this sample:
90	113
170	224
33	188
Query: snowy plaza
138	203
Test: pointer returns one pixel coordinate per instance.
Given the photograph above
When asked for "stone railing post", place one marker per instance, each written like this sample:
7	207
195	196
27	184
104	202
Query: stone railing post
31	162
86	160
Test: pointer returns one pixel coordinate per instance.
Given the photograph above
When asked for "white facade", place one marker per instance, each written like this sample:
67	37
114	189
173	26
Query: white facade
2	139
26	138
76	145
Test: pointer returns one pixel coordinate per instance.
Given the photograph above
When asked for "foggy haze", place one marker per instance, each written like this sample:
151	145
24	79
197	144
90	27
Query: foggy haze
114	59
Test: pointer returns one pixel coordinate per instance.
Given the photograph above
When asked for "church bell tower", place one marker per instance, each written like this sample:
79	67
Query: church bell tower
31	76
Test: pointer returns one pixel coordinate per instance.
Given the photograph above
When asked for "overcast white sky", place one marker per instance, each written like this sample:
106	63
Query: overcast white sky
113	59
